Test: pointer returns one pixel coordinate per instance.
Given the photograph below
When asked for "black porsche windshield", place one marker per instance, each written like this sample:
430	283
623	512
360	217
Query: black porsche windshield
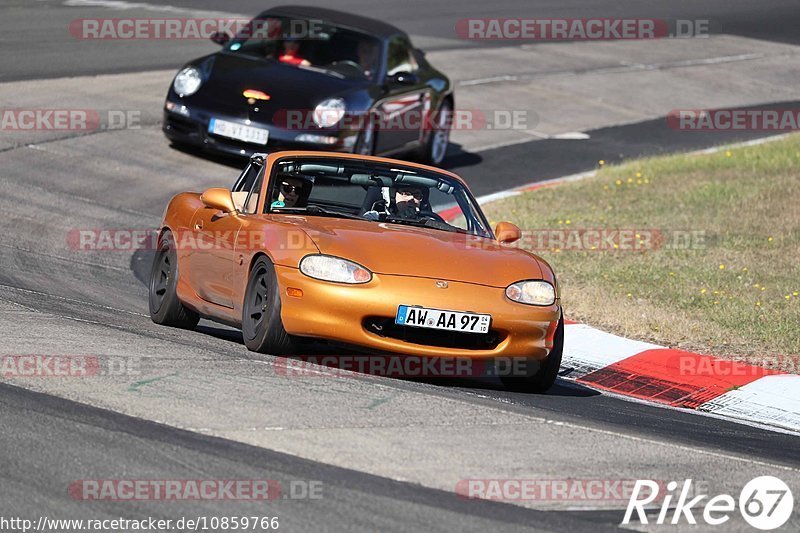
373	192
311	44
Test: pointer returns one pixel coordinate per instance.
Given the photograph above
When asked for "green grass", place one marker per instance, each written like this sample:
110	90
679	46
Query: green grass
736	294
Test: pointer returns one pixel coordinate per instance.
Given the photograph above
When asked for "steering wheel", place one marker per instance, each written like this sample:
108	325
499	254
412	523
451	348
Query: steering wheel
432	216
347	63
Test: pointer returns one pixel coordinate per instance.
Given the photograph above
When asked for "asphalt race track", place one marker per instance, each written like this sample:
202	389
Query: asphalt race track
387	453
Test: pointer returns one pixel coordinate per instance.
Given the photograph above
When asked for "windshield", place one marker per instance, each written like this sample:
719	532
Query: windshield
310	44
373	192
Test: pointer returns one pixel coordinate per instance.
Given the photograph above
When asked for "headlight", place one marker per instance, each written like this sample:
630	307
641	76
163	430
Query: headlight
329	112
187	82
532	292
329	268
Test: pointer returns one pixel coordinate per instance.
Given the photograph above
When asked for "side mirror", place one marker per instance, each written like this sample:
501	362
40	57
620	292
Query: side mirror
220	37
403	78
220	199
506	232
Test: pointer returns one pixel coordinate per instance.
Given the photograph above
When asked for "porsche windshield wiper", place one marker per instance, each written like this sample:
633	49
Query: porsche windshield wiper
317	211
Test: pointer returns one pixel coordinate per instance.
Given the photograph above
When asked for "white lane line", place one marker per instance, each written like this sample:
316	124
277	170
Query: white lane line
613	69
571	136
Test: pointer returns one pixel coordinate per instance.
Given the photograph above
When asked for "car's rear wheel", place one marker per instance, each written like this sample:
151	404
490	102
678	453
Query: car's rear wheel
435	149
165	307
262	328
546	371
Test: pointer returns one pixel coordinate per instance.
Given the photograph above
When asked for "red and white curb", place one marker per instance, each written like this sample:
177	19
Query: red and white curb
725	388
681	379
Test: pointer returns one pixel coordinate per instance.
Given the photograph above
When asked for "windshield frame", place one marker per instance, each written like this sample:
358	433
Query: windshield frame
239	39
270	184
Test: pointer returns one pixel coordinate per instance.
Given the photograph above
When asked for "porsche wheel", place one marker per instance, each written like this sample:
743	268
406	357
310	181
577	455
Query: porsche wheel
547	371
165	307
262	328
435	149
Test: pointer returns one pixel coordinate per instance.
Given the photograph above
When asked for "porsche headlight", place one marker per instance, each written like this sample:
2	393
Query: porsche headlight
329	268
532	292
329	112
187	82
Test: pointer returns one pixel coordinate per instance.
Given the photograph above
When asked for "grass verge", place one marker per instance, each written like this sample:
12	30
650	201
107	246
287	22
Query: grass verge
713	264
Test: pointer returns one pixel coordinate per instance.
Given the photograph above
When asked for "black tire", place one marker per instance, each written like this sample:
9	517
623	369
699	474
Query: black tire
262	328
433	153
546	372
165	307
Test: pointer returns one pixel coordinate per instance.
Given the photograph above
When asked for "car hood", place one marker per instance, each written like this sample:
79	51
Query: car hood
289	87
402	250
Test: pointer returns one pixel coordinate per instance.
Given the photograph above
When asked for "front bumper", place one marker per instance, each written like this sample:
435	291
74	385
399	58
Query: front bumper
349	313
191	128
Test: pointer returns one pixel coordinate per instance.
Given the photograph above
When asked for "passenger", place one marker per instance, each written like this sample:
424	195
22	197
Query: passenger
291	49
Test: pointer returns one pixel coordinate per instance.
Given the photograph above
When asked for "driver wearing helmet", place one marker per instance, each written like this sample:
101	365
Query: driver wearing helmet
407	201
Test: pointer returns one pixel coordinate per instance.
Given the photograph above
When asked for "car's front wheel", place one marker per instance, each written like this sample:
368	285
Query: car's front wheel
545	373
262	328
165	307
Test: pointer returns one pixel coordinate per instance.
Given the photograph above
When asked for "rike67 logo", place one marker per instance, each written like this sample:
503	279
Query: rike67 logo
766	503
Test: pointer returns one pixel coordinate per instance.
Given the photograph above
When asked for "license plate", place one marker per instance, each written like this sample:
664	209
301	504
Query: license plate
422	317
240	132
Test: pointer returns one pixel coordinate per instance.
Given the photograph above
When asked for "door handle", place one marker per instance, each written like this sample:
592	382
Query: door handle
198	225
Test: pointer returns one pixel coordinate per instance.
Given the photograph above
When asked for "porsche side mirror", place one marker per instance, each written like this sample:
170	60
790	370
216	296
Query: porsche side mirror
506	232
220	37
220	199
403	78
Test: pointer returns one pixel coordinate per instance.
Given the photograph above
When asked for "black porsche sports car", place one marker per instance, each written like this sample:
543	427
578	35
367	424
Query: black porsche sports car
312	78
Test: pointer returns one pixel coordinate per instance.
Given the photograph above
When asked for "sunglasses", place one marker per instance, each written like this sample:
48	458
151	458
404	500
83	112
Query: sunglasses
286	187
416	194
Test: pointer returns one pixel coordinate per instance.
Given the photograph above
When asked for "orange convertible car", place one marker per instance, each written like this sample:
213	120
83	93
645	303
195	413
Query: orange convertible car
365	251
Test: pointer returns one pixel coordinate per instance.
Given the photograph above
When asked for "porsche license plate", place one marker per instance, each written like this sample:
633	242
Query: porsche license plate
240	132
422	317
